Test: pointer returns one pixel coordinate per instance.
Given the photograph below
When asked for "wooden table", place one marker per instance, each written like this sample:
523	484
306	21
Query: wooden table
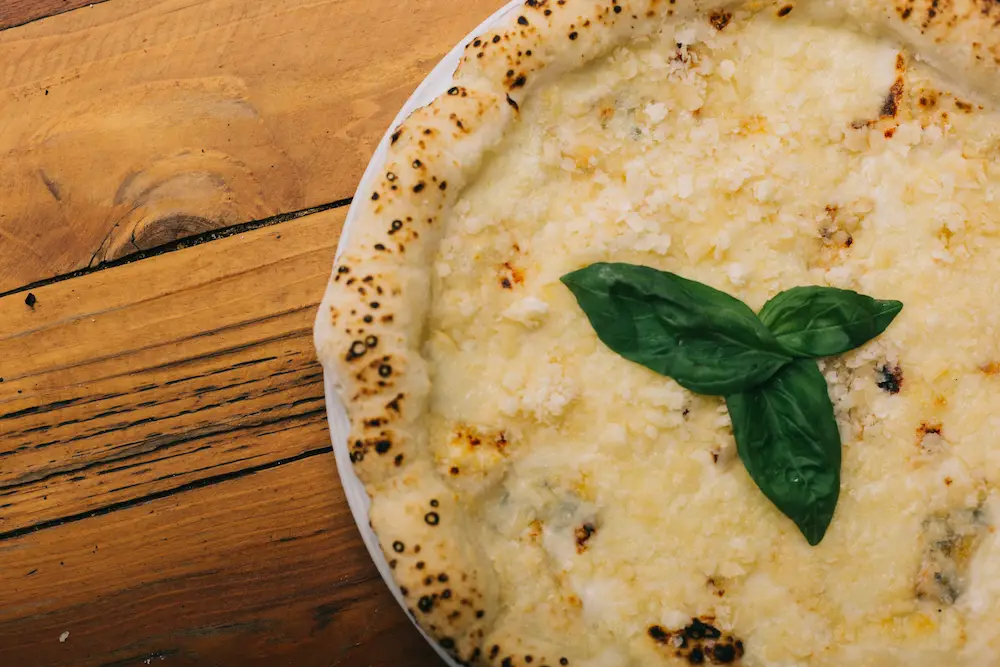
173	177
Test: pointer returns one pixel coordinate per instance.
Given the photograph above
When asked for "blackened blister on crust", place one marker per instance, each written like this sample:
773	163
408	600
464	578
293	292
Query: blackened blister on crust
699	642
720	18
890	378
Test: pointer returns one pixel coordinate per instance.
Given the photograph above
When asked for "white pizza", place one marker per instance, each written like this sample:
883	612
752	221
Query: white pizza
544	501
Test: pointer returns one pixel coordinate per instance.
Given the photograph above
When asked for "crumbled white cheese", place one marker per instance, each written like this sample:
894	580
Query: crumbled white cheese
529	311
727	68
656	112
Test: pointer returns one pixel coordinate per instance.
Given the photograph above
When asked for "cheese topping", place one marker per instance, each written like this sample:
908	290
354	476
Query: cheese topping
765	155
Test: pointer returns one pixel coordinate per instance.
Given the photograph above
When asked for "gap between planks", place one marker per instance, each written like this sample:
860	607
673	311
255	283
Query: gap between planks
180	244
159	377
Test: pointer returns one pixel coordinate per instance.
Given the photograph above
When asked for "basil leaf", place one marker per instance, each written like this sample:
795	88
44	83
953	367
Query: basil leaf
825	321
787	436
704	339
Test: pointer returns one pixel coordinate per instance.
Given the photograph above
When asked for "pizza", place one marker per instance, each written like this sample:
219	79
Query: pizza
543	501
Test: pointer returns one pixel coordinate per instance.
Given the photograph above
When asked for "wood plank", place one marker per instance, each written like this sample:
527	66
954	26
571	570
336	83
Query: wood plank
166	483
19	12
265	570
129	382
136	122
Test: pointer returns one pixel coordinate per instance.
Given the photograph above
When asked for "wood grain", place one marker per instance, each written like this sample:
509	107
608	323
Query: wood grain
135	122
265	570
166	485
132	381
19	12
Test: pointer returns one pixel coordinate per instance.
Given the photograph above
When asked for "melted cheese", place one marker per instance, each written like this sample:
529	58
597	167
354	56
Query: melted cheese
753	159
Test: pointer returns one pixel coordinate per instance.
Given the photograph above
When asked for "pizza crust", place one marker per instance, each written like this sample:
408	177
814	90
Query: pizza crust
370	327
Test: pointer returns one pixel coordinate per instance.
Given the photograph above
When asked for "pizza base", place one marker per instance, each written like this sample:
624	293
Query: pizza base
540	500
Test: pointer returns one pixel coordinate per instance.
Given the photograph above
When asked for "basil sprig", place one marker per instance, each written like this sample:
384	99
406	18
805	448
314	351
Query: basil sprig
787	438
704	339
825	321
711	343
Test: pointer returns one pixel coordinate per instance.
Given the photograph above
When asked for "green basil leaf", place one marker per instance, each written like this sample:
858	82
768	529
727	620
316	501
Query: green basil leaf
787	436
704	339
825	321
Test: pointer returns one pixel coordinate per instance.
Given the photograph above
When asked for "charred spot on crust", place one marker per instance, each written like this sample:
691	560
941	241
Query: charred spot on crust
511	102
929	429
932	12
396	135
699	642
510	275
519	82
432	518
785	11
698	629
425	603
357	349
583	535
930	438
521	20
719	19
398	547
890	107
890	378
